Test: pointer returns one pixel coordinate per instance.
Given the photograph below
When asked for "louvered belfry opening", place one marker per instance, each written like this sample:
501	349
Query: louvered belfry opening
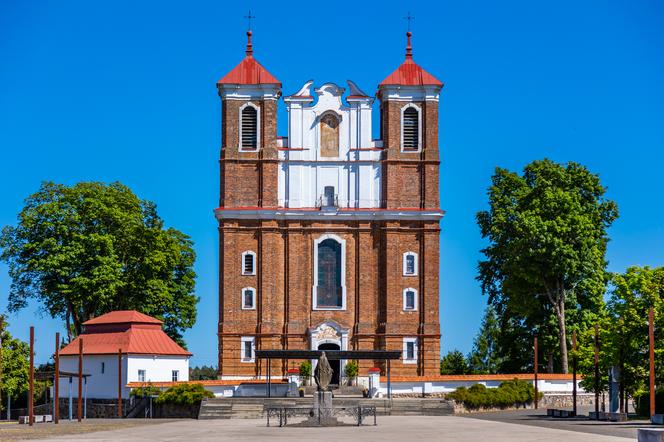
249	128
411	129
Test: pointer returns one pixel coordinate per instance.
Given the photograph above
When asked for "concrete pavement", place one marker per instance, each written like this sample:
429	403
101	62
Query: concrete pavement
390	428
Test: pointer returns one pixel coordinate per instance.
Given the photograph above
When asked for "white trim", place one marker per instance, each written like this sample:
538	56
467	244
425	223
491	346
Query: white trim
253	267
253	298
354	215
419	128
258	127
314	303
405	351
414	309
251	339
405	256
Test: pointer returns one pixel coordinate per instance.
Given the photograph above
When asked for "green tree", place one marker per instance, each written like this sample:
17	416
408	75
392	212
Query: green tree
454	363
202	373
624	333
484	358
15	366
91	248
547	233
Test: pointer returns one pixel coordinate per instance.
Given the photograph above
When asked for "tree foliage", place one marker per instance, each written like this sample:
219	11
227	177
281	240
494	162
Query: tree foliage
454	362
485	358
547	234
204	373
91	248
15	365
624	341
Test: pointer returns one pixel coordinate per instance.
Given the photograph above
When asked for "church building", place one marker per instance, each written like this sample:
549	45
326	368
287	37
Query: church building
328	238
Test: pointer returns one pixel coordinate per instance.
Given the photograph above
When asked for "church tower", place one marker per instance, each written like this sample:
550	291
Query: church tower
328	238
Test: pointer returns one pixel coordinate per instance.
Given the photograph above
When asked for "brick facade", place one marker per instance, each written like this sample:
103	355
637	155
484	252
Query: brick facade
284	314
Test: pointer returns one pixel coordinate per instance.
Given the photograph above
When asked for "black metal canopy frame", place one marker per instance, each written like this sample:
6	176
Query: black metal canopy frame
387	355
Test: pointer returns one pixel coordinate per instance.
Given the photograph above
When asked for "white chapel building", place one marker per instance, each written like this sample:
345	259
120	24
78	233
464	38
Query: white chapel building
147	354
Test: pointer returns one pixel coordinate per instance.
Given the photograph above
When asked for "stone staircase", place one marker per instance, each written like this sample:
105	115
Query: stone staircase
252	408
422	407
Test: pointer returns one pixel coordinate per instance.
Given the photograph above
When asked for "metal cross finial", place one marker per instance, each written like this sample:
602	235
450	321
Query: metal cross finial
409	18
249	17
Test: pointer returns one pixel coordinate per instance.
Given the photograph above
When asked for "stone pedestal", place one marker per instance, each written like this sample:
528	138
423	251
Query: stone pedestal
322	411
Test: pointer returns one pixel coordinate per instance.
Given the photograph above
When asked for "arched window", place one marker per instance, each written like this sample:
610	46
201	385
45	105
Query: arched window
249	119
329	274
329	135
248	263
248	298
410	128
410	264
410	299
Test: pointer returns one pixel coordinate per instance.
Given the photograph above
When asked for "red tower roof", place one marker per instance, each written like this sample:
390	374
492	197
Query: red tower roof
410	73
130	331
249	71
123	316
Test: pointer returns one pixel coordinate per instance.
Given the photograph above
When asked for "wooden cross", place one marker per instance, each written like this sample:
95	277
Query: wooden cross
249	17
409	18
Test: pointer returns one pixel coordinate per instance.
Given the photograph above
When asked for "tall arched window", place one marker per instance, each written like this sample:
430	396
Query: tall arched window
329	135
329	276
249	127
410	128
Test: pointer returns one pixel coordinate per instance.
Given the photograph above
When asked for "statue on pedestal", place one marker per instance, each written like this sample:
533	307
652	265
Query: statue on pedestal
323	373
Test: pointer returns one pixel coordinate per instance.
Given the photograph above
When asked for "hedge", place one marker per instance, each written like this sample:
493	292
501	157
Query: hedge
642	402
508	394
184	394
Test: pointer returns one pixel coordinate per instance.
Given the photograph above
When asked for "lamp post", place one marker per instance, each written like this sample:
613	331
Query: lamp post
651	336
597	371
574	372
56	380
535	364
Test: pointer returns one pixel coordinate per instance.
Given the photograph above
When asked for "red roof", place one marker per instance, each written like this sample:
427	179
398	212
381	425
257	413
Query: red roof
122	316
249	71
130	331
410	73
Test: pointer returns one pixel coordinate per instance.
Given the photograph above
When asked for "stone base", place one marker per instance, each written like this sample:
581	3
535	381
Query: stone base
322	411
650	435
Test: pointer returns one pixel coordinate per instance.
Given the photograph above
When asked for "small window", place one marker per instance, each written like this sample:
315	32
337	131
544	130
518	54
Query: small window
410	264
247	349
410	350
248	298
141	375
410	129
103	367
249	128
410	299
248	263
175	375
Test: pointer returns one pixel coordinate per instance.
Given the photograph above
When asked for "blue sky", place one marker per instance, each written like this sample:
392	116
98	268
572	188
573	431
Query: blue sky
125	90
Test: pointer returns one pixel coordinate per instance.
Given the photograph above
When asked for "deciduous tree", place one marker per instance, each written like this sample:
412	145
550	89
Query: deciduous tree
547	234
91	248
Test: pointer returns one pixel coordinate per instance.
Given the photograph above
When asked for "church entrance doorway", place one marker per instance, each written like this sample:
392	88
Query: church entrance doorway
335	364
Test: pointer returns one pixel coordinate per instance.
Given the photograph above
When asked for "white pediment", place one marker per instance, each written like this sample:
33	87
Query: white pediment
329	98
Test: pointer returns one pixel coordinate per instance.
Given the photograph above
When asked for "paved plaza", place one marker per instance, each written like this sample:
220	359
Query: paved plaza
402	428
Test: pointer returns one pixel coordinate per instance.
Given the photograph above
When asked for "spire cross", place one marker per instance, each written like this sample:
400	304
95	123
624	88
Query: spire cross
409	18
250	49
249	17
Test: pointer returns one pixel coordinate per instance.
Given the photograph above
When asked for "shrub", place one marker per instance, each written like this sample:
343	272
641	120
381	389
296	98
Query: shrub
642	402
149	390
305	369
351	369
184	394
508	394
